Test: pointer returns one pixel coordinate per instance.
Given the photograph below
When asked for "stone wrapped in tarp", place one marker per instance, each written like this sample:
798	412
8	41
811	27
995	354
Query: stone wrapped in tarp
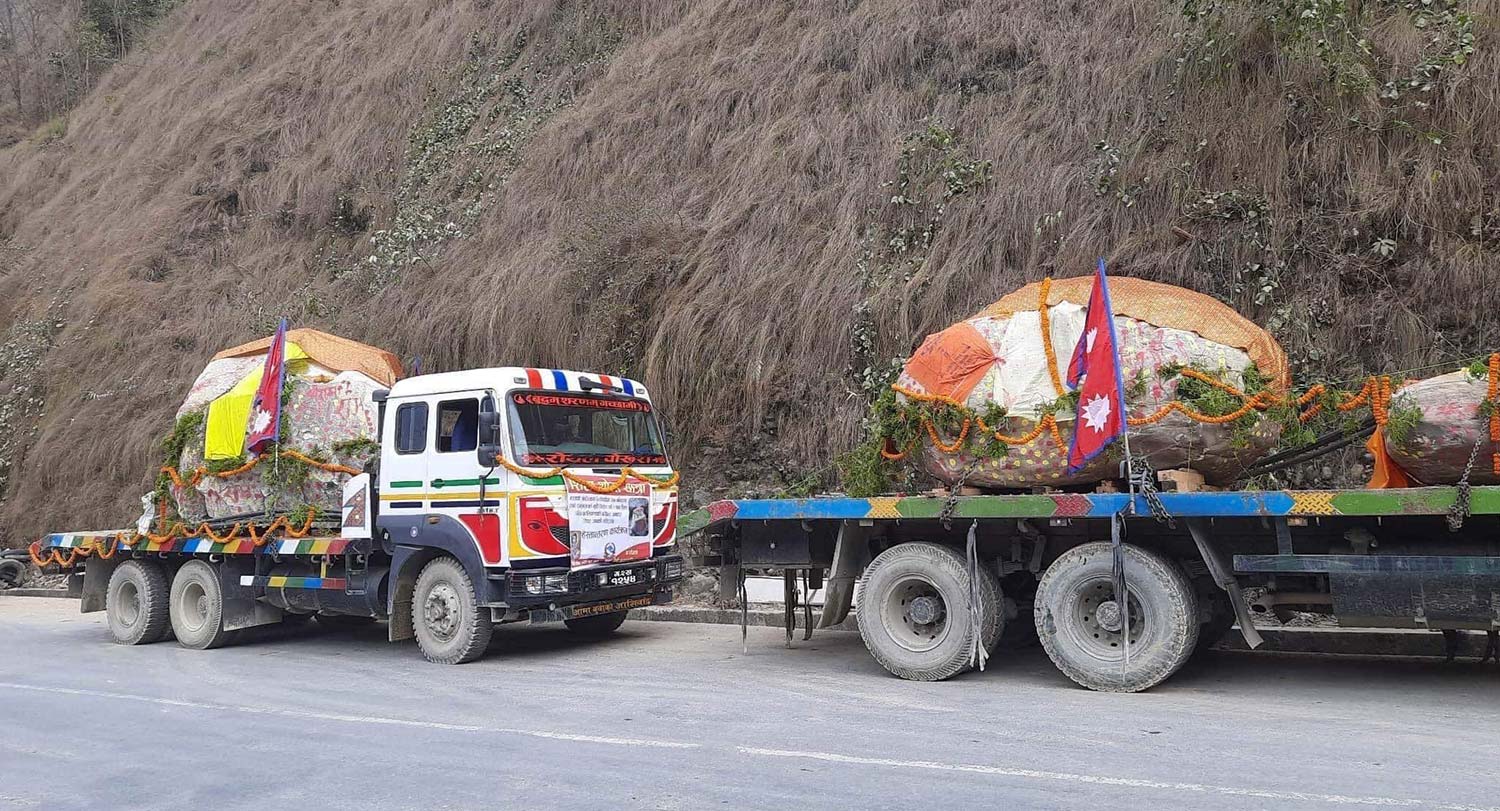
1435	449
327	406
998	357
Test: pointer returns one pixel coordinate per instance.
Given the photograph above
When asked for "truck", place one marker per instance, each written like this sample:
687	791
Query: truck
945	582
499	495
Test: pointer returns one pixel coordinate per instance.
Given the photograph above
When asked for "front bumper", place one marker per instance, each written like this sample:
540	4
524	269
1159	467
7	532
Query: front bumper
560	588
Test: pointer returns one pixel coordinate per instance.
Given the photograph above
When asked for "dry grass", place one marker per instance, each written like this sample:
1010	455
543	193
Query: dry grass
720	161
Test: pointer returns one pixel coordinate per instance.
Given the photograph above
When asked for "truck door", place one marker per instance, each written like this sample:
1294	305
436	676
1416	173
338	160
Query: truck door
403	463
457	485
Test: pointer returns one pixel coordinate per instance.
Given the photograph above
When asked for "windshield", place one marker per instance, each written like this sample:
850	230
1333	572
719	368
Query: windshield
583	429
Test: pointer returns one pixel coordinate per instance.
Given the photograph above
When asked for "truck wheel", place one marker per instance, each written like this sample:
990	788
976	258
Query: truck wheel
12	572
135	603
913	611
1082	629
198	606
451	626
597	625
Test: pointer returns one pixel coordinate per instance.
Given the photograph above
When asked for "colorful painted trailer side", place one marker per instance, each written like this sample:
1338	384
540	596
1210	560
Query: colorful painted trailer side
947	582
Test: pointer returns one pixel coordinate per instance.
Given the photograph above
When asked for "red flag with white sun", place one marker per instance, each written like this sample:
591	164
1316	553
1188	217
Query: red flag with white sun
1101	400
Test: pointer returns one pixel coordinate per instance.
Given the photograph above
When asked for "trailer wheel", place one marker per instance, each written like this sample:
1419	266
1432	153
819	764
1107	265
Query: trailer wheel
451	626
135	603
597	625
1082	628
197	606
913	612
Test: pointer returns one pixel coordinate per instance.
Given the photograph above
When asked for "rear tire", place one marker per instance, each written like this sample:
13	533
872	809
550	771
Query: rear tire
12	572
598	625
1081	625
451	627
914	616
135	603
197	606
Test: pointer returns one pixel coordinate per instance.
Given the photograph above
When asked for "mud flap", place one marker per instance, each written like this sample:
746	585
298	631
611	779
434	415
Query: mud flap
850	555
96	574
241	609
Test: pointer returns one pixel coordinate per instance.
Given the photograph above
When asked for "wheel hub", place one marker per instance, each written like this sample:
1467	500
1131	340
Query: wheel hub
1108	614
130	605
441	611
914	614
925	610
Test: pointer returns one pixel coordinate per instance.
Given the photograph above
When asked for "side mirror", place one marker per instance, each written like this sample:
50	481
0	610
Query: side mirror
489	455
489	427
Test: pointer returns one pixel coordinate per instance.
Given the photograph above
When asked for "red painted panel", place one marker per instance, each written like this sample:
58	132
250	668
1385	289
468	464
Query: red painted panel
486	529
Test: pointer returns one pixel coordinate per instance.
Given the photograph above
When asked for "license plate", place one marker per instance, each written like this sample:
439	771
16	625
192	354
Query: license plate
627	577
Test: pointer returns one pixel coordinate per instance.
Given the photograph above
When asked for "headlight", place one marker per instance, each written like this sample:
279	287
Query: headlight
673	569
537	584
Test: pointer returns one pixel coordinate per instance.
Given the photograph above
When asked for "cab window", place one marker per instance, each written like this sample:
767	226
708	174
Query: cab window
458	425
411	428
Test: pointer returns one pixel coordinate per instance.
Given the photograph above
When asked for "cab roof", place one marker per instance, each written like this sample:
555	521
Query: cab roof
505	378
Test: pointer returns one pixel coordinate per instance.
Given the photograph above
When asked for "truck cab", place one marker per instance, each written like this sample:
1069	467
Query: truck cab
517	494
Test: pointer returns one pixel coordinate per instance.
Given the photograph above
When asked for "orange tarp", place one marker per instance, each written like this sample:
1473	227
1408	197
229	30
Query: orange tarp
1387	474
1164	305
331	351
951	362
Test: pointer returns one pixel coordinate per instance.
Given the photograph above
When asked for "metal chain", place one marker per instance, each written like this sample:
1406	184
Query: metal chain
951	503
1145	482
1461	506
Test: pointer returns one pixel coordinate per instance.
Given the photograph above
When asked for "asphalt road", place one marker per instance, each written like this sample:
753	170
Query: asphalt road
674	716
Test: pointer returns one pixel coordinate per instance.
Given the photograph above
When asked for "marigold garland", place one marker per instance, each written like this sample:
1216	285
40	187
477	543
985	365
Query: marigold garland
1376	392
199	472
603	489
1045	322
106	548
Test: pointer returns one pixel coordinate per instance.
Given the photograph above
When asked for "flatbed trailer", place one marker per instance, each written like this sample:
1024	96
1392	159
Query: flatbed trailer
945	582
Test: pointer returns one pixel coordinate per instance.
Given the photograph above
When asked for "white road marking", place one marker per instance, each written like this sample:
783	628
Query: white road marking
829	757
1126	782
352	719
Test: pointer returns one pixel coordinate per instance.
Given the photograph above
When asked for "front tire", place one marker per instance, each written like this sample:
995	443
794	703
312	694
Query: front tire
135	603
598	625
1082	627
197	607
914	616
451	627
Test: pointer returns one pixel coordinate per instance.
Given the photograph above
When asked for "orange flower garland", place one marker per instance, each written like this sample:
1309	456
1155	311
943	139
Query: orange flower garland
1494	390
1046	326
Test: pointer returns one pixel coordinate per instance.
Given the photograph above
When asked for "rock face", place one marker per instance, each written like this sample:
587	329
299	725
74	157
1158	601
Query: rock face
1437	448
998	358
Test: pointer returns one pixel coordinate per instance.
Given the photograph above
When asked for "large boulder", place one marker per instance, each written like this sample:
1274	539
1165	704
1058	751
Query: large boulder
328	415
1434	424
998	359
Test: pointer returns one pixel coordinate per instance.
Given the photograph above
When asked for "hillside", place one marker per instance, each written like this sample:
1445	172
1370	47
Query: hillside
751	204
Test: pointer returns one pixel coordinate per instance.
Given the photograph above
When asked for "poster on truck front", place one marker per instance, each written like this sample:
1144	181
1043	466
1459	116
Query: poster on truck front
613	527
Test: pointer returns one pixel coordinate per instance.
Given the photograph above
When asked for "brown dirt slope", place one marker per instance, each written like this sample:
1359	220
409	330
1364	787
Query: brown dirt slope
751	204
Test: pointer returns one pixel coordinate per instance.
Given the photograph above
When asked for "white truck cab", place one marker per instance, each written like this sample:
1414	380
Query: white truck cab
480	468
